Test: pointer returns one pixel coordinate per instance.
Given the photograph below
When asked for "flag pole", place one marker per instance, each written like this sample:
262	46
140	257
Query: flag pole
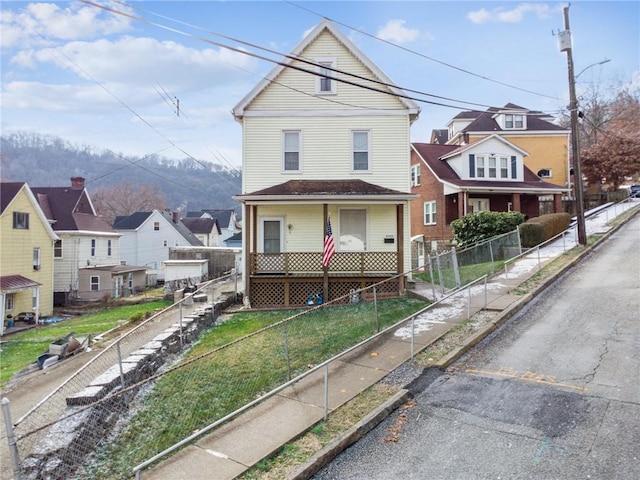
325	268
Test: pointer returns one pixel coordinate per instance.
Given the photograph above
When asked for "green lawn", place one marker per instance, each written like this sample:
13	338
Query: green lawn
230	374
23	348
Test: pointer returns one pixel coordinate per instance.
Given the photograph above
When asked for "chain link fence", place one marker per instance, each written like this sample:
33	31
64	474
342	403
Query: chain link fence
176	373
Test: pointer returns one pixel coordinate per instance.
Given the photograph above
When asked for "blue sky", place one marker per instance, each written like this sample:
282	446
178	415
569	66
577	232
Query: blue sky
91	77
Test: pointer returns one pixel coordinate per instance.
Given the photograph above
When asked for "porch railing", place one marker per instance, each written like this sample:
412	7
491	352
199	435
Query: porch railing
310	263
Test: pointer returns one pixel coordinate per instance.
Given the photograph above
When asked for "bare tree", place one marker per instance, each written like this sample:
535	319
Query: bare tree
125	199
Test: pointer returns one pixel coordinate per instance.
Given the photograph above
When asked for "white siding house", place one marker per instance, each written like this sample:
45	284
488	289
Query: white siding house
147	236
324	141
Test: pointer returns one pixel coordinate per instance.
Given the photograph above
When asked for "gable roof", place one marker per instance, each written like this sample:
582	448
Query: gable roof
300	190
433	156
9	191
295	55
135	220
201	225
476	143
440	135
70	209
130	222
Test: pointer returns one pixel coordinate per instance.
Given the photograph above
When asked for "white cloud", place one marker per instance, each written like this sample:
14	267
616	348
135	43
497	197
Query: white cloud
395	31
515	15
39	23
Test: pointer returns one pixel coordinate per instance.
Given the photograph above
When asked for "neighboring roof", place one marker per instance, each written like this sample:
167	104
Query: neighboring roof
473	145
201	225
193	214
115	269
8	191
69	208
236	237
486	122
130	222
238	110
222	216
321	189
12	283
440	136
433	154
181	228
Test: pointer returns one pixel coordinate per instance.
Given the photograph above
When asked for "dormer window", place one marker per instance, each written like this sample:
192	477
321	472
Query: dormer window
513	122
325	82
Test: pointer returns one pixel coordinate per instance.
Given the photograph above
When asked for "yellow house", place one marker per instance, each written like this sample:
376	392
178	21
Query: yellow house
26	256
546	144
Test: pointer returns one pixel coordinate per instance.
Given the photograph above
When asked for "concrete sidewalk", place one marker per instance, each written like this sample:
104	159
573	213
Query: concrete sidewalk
236	446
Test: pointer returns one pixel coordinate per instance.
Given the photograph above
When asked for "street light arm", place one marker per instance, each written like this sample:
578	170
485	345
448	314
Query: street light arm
601	62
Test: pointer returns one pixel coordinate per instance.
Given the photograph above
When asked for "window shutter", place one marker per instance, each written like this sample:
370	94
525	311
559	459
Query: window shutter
472	165
514	169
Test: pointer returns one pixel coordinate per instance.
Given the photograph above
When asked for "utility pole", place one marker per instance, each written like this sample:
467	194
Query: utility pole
565	46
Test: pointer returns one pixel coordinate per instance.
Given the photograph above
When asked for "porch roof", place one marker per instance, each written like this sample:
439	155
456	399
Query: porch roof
324	191
15	283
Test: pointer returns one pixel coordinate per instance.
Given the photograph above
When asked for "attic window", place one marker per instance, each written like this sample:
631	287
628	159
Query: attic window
325	82
21	220
513	122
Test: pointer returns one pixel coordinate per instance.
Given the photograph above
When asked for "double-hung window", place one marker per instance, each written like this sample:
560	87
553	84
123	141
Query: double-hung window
492	167
480	167
95	283
415	175
21	220
513	121
504	167
430	213
93	247
36	258
291	151
360	149
108	248
57	249
325	81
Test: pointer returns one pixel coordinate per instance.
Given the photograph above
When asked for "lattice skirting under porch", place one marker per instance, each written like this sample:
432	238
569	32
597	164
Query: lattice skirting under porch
278	291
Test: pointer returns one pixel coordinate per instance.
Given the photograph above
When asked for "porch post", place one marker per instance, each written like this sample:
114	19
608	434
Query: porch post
2	312
249	247
462	199
400	236
557	203
516	202
325	270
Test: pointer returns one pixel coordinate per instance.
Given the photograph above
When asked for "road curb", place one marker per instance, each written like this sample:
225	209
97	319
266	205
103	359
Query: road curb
351	436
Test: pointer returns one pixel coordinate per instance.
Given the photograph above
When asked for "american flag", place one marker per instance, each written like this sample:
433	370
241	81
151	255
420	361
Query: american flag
329	246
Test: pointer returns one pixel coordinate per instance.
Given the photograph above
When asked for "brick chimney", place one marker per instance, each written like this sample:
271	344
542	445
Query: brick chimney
77	182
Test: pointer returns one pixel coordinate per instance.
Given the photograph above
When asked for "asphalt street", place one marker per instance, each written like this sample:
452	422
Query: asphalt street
553	394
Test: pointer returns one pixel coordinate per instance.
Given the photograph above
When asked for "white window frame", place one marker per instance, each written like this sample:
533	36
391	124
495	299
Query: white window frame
547	176
514	121
21	220
354	151
36	258
492	167
35	299
9	302
109	246
165	243
480	166
95	283
57	249
93	247
298	134
415	175
504	167
327	77
156	226
261	238
429	213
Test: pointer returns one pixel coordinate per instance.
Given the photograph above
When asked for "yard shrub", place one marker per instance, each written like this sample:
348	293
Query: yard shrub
477	227
540	229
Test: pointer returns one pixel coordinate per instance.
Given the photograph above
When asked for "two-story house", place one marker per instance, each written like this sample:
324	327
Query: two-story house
146	238
451	181
325	154
546	144
26	255
85	239
205	229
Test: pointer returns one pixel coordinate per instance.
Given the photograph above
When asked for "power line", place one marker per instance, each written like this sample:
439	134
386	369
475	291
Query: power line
418	53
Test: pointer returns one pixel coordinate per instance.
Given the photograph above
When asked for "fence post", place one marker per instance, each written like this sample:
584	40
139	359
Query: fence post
439	272
456	270
433	283
485	292
286	348
11	438
468	302
491	256
538	249
120	363
375	306
326	392
180	322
